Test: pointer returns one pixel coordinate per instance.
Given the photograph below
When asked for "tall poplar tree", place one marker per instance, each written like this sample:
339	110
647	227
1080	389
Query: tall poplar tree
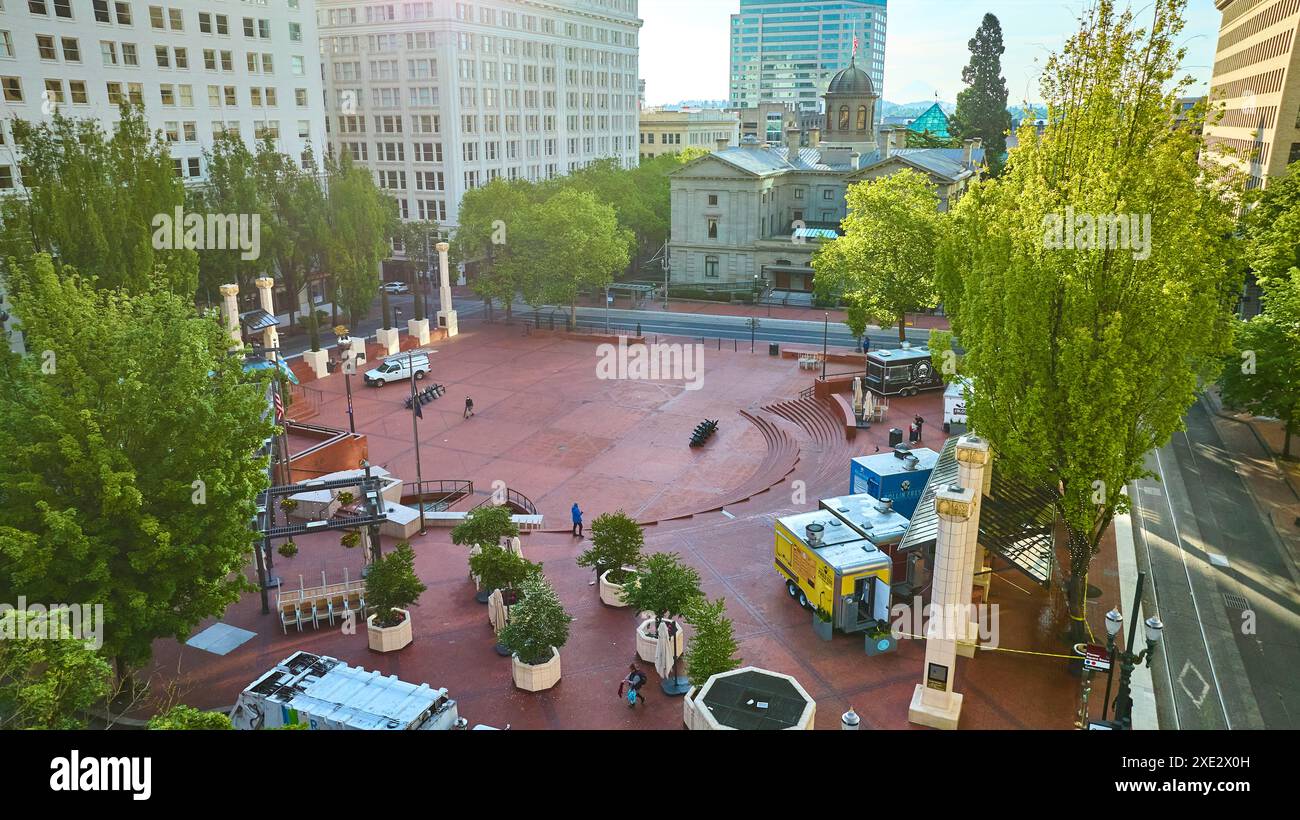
982	107
1087	354
360	219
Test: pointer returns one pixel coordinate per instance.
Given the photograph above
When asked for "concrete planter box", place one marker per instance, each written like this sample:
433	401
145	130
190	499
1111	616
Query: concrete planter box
389	639
316	360
688	708
389	340
536	678
646	644
881	645
824	629
610	594
418	329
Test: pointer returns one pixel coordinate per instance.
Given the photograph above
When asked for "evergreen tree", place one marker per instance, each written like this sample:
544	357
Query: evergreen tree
982	108
713	648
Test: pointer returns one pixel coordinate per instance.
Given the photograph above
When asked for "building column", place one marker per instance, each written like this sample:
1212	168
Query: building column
934	703
972	459
270	336
446	316
230	311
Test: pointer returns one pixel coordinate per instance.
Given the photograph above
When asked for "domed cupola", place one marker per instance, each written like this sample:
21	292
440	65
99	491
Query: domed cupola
850	106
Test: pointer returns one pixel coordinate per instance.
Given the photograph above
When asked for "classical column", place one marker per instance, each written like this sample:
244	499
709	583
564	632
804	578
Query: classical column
230	311
270	336
446	316
934	703
972	458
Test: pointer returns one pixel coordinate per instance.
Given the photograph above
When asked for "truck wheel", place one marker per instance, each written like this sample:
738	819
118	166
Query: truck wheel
419	375
379	382
792	588
803	599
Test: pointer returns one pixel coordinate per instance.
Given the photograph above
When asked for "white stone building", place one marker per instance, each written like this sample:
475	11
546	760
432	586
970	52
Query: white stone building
440	97
199	67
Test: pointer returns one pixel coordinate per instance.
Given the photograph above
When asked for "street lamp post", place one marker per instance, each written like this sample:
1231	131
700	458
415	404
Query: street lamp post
349	364
1127	658
415	433
826	329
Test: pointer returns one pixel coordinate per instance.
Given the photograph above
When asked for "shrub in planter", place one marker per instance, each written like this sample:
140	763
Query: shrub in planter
499	568
288	505
182	717
484	526
393	585
288	549
713	646
616	542
346	498
664	586
351	539
538	623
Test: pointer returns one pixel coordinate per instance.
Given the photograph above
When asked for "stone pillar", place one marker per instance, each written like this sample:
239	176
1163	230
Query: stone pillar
446	316
230	311
418	329
270	336
934	703
972	458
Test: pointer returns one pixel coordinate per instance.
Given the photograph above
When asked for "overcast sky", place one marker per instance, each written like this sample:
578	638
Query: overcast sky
685	49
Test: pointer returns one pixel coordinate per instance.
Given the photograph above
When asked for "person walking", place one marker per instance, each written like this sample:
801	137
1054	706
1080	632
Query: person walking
632	686
577	520
469	407
866	344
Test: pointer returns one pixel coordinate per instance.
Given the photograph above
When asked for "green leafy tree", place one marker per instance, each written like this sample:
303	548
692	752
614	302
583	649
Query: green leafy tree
296	215
489	218
420	239
485	527
1086	358
91	201
927	139
616	542
47	682
392	585
186	718
713	647
982	107
360	219
664	586
883	265
232	188
537	623
501	568
1263	376
574	243
131	464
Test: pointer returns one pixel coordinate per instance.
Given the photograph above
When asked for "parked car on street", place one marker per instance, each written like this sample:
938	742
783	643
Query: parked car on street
397	287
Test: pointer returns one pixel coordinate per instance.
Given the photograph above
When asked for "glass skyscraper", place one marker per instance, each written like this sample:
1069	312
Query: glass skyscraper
787	50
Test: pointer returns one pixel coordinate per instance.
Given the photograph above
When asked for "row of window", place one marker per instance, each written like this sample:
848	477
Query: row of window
168	94
164	18
119	53
388	13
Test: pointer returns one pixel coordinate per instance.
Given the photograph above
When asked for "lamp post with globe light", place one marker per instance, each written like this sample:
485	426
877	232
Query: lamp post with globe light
1128	659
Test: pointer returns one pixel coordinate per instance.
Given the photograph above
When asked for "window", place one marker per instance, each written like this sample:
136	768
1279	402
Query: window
713	228
129	56
713	200
123	12
71	50
862	118
109	51
193	164
711	267
844	118
6	177
77	90
6	44
828	194
54	91
156	19
45	47
101	11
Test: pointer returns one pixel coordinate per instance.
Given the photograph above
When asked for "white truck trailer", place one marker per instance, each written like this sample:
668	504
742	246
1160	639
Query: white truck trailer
324	693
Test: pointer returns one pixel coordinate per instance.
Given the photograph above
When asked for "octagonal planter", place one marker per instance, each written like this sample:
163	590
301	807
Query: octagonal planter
391	638
688	708
611	594
535	677
646	644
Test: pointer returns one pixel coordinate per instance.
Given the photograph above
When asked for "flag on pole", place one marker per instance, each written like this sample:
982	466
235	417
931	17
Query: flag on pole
855	45
279	406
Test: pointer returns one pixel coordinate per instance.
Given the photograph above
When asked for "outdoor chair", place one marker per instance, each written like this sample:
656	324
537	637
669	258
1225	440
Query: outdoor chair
321	611
337	604
289	615
356	603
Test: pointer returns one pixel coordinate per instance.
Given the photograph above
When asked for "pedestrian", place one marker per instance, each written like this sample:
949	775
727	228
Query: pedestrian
469	407
866	344
577	520
632	684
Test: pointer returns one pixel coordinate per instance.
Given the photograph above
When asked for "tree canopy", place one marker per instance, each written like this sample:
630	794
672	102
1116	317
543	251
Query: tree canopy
360	220
982	106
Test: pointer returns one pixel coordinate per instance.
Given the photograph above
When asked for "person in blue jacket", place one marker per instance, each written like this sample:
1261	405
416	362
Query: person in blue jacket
577	520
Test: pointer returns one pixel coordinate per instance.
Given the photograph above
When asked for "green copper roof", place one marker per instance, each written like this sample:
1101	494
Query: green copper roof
933	120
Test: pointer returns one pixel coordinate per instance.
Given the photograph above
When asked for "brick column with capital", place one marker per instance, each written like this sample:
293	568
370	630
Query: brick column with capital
230	312
270	336
972	460
934	703
446	316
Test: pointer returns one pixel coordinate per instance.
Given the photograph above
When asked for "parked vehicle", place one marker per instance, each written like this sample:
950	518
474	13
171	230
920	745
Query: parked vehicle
829	564
903	372
397	287
398	368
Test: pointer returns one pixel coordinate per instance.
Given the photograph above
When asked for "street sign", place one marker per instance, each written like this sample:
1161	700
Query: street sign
1096	659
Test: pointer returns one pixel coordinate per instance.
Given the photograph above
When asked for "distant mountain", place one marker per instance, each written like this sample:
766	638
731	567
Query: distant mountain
696	104
913	109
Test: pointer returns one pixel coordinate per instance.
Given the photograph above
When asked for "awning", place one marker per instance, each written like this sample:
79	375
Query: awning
255	321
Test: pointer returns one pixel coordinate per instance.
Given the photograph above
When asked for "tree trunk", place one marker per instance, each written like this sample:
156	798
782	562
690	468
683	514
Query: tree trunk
902	328
1286	442
573	314
1080	550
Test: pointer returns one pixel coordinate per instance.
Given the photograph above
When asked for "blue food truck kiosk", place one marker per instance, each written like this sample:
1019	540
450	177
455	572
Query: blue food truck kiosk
899	475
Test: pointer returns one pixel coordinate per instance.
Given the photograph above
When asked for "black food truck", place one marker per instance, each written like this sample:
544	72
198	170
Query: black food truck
903	372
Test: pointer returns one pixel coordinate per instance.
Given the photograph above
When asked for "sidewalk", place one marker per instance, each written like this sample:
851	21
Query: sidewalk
920	321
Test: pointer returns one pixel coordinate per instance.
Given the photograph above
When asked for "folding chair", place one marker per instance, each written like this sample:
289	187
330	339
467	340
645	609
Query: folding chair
337	604
320	611
356	602
289	615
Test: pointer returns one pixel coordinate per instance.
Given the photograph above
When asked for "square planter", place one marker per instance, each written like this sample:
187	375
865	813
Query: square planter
536	677
611	594
647	644
316	360
824	629
389	639
881	644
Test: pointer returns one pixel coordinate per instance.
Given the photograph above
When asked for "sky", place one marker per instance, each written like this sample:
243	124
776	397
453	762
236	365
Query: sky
685	48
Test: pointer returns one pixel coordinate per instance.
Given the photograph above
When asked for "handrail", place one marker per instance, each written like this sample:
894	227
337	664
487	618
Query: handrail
514	498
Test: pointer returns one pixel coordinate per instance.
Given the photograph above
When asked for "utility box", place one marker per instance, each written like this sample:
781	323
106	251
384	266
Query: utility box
898	476
955	398
773	349
895	437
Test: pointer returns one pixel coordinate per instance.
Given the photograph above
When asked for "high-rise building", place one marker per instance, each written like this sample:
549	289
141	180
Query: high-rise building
199	68
1257	79
440	97
787	52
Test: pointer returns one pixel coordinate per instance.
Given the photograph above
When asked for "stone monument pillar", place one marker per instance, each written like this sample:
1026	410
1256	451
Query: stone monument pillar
230	312
934	703
270	336
972	461
446	316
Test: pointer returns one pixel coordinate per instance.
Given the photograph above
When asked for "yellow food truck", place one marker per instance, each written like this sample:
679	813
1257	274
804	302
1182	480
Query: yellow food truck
829	564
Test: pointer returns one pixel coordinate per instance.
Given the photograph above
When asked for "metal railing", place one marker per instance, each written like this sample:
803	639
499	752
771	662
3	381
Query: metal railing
514	499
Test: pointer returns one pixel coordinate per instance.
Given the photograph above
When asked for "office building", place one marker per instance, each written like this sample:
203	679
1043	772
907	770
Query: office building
670	132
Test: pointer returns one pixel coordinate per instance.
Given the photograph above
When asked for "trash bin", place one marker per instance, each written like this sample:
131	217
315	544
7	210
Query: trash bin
895	437
773	349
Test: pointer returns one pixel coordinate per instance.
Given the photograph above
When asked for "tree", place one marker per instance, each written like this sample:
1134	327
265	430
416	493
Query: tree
713	649
574	242
91	201
537	623
501	568
1086	355
1263	374
131	465
928	140
392	585
360	219
664	586
297	216
47	682
186	718
485	527
616	542
982	107
489	216
232	188
420	239
883	265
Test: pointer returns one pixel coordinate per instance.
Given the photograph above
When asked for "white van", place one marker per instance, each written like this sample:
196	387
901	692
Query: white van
398	368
